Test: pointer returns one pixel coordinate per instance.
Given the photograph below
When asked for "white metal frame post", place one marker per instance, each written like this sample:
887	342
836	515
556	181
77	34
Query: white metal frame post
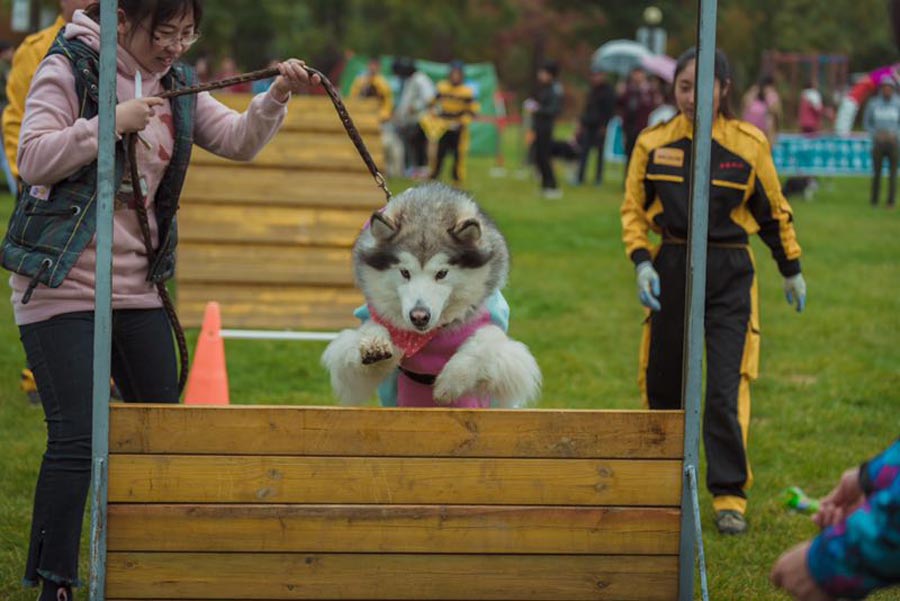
106	167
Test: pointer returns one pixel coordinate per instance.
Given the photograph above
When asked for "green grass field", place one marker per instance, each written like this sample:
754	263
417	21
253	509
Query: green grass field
827	396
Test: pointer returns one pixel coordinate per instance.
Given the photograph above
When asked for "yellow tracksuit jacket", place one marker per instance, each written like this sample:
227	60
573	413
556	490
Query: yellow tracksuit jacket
25	62
367	86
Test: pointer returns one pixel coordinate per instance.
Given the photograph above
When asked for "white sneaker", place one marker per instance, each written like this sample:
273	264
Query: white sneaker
552	193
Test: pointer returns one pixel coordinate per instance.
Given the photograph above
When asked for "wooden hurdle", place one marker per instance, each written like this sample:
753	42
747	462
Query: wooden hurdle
269	239
364	503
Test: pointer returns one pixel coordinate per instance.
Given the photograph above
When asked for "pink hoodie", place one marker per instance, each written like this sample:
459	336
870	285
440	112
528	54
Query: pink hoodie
54	144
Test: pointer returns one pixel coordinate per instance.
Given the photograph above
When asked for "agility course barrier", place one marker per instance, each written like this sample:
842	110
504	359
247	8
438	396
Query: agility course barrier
369	503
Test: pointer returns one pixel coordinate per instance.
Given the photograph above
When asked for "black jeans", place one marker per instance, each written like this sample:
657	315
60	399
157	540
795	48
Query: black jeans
884	147
61	354
593	137
543	147
415	145
448	144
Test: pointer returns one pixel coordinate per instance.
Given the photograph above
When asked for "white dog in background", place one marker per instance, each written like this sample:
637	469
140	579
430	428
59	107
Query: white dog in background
428	266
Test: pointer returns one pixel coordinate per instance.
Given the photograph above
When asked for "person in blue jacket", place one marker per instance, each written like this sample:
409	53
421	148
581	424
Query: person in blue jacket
858	550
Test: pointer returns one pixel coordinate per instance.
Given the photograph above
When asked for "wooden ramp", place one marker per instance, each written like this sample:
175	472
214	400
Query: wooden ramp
277	503
269	239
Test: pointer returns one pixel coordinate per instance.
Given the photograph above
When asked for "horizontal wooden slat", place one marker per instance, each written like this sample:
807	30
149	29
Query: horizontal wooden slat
264	264
360	431
392	480
244	184
271	225
266	224
410	577
302	150
394	529
270	307
316	113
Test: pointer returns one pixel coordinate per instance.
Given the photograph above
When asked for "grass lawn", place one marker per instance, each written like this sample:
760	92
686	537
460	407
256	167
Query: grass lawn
828	395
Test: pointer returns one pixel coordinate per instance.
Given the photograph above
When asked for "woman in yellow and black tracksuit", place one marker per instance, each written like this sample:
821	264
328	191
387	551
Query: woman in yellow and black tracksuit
745	198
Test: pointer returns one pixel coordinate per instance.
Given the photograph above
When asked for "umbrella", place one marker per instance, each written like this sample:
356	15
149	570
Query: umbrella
660	65
619	56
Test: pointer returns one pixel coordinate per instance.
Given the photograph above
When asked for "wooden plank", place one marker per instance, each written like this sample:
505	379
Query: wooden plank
394	529
392	480
270	307
317	113
264	264
267	224
249	184
361	431
411	577
301	150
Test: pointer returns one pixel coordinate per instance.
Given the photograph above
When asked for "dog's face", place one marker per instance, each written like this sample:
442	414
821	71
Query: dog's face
431	258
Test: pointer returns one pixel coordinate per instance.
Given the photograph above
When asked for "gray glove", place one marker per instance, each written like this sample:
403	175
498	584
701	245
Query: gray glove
648	285
795	289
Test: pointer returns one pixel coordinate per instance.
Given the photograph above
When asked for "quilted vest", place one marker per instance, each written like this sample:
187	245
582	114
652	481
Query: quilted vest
46	235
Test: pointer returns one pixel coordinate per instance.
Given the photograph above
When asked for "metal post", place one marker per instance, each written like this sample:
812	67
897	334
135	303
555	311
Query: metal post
696	283
698	530
106	164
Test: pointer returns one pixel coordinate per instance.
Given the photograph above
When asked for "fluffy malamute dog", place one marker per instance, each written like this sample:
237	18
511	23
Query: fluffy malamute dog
428	264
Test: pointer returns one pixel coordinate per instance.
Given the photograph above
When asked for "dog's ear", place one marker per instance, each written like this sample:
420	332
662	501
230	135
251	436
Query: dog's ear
383	228
467	231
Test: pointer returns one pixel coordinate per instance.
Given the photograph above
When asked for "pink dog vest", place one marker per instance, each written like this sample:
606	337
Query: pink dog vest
426	354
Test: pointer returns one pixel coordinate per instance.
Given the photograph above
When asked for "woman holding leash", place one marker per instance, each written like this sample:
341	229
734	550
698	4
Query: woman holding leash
50	248
745	198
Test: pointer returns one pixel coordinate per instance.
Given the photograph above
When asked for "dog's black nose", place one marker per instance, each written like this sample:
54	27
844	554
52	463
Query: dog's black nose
420	317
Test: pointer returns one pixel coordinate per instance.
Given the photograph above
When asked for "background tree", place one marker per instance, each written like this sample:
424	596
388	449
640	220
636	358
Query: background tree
516	35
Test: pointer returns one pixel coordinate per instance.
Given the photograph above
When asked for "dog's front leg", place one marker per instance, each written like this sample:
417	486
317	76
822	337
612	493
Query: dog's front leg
359	360
490	363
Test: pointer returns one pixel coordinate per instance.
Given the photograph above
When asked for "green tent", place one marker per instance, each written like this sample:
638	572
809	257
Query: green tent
481	76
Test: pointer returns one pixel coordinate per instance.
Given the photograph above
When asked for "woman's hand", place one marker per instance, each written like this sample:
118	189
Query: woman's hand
846	498
134	115
293	78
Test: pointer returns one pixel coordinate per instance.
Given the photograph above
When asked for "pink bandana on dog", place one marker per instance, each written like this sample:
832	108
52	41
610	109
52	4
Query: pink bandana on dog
408	341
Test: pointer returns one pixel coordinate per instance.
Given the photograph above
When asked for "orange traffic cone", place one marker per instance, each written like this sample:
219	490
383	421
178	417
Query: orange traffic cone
208	381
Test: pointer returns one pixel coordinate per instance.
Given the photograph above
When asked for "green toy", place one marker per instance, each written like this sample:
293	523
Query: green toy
796	500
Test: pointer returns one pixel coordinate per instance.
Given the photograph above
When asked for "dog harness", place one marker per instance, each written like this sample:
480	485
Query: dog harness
425	355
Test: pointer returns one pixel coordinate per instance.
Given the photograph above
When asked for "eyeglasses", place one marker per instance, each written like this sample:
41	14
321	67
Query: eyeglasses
172	39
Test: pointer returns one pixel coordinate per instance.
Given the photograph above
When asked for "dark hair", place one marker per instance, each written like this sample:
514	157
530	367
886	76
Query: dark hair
158	11
721	71
403	66
551	67
762	83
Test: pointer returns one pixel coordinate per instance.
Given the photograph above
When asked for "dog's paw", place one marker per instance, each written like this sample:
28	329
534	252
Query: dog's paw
443	398
458	378
373	349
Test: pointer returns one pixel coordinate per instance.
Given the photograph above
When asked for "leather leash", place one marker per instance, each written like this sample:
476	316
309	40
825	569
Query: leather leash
141	209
